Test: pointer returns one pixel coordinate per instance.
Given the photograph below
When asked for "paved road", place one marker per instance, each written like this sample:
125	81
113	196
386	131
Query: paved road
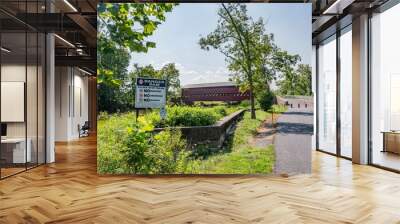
293	142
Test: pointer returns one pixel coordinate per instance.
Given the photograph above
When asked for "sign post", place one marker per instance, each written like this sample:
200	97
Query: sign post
163	113
150	93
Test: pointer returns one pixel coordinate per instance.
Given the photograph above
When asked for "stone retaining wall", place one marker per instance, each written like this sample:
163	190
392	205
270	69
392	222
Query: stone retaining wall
212	135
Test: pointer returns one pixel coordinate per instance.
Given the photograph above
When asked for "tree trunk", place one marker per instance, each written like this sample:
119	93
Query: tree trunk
253	109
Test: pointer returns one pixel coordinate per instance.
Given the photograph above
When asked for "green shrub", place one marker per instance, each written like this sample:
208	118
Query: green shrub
145	153
245	104
188	116
191	116
127	146
266	100
155	119
278	108
168	153
178	116
102	115
136	142
110	137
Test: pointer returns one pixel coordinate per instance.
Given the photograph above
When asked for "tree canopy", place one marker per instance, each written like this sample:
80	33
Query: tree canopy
113	98
245	45
169	72
123	29
296	82
126	26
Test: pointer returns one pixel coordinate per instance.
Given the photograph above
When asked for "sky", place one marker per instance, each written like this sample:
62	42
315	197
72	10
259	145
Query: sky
177	38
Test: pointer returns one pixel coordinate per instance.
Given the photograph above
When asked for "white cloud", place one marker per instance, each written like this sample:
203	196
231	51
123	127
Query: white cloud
195	76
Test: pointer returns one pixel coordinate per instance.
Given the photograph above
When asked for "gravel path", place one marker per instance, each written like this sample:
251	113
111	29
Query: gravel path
265	135
293	142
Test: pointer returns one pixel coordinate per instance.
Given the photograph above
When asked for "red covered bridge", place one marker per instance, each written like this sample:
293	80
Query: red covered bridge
219	91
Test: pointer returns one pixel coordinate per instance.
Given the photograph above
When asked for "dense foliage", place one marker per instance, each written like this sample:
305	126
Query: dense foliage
303	85
145	153
247	160
115	98
295	78
194	116
178	116
266	99
124	29
129	146
111	132
126	26
126	146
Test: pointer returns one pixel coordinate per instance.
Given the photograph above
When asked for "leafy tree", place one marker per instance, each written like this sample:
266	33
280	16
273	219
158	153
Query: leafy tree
284	63
265	72
113	98
304	83
295	79
266	99
147	71
109	54
126	26
169	72
245	45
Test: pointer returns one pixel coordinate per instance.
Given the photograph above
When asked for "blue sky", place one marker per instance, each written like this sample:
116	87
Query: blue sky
177	38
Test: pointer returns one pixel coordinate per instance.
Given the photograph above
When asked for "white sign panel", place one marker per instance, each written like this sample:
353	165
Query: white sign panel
150	93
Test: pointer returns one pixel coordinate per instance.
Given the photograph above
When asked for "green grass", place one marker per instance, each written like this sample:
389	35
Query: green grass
247	128
246	160
238	157
279	108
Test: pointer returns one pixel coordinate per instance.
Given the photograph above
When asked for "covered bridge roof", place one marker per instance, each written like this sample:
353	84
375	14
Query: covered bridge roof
217	91
205	85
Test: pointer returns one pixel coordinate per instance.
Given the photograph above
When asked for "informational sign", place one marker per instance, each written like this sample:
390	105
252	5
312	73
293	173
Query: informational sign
150	93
